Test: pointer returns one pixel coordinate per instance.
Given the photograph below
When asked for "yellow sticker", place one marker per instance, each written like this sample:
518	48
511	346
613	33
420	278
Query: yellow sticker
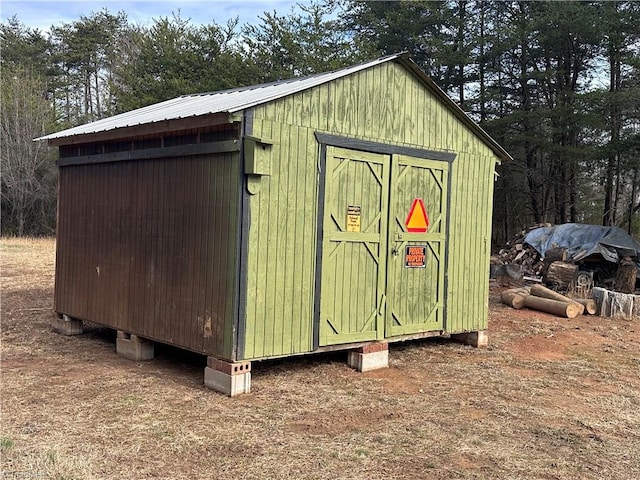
353	218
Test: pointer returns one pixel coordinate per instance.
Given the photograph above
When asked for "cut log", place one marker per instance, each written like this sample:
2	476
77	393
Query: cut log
625	279
554	254
561	275
544	292
562	309
513	298
589	305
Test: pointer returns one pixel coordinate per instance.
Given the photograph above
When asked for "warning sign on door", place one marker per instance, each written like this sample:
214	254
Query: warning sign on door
417	221
353	218
415	256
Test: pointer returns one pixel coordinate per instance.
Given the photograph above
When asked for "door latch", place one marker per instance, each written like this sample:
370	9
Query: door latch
383	303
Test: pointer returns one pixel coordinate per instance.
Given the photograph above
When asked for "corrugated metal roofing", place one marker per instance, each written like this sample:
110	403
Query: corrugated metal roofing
235	100
227	101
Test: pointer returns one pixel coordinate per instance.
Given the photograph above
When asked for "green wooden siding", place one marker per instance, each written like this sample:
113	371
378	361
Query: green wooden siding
416	295
384	104
281	255
353	264
469	247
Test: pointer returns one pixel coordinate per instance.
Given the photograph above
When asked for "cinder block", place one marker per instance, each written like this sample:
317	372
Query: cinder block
479	339
230	385
134	347
370	357
66	325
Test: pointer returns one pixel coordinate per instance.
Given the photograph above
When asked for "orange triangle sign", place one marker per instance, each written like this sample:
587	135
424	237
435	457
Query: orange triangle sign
417	221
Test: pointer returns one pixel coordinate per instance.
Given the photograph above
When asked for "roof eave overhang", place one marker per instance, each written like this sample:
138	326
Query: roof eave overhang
154	128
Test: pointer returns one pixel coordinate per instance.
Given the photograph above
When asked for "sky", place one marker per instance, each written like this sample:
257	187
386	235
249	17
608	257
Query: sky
42	14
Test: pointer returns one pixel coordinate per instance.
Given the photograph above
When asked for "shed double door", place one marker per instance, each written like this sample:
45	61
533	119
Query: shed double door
372	285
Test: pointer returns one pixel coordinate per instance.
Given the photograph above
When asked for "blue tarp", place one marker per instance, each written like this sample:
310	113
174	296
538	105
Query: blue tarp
581	241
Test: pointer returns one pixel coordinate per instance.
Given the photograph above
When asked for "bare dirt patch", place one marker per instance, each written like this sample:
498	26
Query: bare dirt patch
550	398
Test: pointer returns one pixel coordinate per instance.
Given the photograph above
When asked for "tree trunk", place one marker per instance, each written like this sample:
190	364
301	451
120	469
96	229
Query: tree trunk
462	8
481	66
613	161
625	279
634	186
98	113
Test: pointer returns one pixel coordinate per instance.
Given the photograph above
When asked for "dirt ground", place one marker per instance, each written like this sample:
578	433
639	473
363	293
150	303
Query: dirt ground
550	398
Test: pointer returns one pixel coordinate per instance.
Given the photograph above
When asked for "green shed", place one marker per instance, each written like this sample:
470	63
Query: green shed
344	210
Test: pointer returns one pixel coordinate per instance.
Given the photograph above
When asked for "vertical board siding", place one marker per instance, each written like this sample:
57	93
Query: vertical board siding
471	201
415	296
353	267
281	255
149	247
385	104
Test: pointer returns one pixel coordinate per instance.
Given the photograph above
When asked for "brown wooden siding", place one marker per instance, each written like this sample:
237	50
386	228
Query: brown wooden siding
150	247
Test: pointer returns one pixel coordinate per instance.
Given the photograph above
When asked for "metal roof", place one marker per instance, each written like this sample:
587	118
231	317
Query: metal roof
238	99
227	101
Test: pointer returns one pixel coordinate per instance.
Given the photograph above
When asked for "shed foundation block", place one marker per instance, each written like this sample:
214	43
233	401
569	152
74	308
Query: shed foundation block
66	325
133	347
229	378
369	357
478	339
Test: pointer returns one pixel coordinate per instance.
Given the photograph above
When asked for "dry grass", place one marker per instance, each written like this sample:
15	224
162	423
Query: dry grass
550	399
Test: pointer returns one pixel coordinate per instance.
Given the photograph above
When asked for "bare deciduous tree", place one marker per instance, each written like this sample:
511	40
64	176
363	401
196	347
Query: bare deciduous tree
26	165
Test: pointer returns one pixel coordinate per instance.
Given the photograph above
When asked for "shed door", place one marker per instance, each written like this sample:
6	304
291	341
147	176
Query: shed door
415	286
354	246
372	284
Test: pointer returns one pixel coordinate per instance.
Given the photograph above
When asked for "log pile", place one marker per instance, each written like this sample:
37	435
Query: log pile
543	299
518	263
517	252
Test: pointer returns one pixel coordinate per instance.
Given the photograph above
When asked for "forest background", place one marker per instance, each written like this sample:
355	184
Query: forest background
557	84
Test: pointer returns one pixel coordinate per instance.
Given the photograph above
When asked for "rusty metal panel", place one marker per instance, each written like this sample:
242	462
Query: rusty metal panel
149	247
